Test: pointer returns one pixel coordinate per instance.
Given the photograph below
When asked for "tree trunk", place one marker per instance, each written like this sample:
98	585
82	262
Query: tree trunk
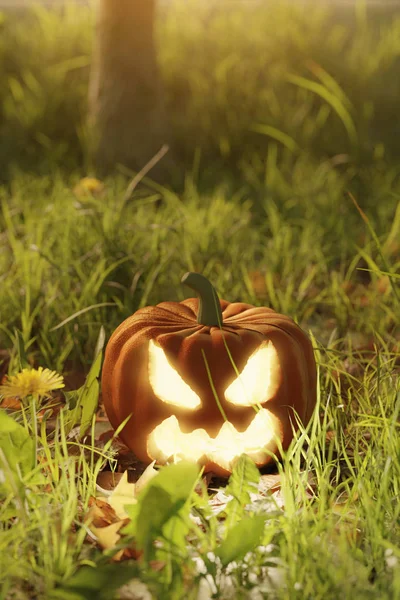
126	101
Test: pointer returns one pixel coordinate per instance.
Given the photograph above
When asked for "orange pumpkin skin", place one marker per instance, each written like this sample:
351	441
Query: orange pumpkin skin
173	326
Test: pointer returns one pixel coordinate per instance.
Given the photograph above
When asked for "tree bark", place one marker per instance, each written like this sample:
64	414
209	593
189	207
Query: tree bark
126	100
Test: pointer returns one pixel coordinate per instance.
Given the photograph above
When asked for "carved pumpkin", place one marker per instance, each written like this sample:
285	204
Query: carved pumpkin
207	380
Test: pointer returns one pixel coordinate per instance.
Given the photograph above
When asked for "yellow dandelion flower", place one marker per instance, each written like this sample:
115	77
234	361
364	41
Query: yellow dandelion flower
31	382
88	186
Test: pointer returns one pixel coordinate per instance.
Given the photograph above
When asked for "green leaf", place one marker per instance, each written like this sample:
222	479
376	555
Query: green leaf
162	500
95	583
244	537
132	510
157	508
8	513
177	528
244	479
82	403
16	445
178	480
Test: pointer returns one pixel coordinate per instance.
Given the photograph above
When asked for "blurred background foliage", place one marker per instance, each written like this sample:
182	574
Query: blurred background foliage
324	80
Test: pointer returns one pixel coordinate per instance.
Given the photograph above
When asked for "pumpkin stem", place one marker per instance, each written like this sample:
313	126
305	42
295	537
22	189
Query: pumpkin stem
209	312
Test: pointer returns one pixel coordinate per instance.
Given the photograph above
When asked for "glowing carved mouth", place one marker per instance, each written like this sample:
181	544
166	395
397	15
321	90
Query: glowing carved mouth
167	442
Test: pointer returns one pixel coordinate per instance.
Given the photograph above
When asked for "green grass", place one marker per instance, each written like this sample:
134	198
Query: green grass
291	199
70	264
337	534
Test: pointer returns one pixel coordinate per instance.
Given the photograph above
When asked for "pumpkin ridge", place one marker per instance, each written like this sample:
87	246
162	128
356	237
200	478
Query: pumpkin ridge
259	317
167	313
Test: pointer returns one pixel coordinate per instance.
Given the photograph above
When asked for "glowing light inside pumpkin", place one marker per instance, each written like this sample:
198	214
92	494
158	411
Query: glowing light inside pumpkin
168	442
257	382
167	384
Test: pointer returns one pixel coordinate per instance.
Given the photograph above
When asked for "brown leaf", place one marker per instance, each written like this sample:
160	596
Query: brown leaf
330	435
104	523
157	565
126	554
270	483
10	403
100	513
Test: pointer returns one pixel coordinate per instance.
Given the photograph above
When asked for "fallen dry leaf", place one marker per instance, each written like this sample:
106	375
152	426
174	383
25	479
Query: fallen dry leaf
219	502
108	537
269	483
117	492
123	495
145	477
100	513
157	565
11	403
104	526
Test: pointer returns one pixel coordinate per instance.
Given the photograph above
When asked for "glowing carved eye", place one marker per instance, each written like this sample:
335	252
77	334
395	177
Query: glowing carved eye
258	381
167	384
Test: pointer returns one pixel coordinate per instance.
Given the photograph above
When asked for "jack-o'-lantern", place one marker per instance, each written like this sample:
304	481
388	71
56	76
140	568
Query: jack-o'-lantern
207	380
